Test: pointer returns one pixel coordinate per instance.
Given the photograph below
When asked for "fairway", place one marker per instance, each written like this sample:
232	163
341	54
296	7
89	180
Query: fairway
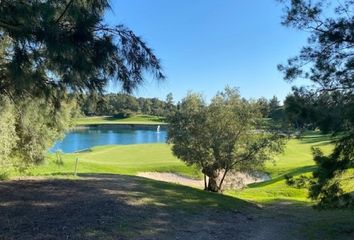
121	159
134	119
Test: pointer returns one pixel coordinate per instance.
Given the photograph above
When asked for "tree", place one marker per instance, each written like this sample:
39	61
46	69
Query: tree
221	137
300	110
28	127
8	134
188	134
328	61
169	106
50	50
310	110
274	106
65	45
264	106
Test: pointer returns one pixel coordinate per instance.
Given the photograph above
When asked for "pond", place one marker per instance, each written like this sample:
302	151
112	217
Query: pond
86	137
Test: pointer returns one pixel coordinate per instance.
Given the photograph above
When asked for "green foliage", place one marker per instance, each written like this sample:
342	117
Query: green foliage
29	127
327	189
328	111
49	49
300	182
124	104
328	62
65	45
8	135
221	136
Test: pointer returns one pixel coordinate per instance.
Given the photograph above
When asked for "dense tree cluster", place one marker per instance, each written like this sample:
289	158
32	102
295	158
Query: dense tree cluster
270	108
124	105
329	111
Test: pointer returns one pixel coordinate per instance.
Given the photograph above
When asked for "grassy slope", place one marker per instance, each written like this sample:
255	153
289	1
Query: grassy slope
295	161
135	119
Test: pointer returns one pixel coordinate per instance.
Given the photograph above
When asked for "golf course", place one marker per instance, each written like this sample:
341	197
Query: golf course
116	203
176	120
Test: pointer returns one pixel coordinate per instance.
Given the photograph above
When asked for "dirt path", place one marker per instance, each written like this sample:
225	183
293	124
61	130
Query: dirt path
128	207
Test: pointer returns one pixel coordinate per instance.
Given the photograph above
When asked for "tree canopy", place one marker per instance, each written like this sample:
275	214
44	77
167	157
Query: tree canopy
64	45
222	136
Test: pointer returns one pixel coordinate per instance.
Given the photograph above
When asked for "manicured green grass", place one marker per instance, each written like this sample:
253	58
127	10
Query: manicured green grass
119	159
296	160
134	119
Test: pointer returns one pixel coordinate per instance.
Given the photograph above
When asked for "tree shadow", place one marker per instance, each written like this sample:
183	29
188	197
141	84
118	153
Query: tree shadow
318	139
292	172
109	206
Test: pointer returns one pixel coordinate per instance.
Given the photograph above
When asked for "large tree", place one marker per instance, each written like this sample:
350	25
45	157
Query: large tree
221	137
51	49
328	61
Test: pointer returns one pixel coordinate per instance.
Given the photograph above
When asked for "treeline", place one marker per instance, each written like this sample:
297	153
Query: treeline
125	105
270	108
328	112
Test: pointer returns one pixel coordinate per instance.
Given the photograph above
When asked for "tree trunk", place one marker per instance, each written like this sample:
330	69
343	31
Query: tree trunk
213	175
205	183
222	179
213	185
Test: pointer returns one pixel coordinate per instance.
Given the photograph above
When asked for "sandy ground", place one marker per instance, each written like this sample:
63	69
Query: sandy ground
172	178
232	181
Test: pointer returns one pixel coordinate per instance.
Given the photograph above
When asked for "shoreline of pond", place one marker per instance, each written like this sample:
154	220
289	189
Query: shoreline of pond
132	126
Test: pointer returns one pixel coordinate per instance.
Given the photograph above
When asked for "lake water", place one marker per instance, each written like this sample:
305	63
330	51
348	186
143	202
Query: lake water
88	137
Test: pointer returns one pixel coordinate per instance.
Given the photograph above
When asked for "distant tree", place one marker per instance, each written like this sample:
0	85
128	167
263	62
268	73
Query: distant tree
146	107
309	110
263	106
328	61
299	110
169	105
221	137
274	105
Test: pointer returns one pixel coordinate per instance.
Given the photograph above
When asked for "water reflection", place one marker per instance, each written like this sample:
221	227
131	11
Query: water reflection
83	138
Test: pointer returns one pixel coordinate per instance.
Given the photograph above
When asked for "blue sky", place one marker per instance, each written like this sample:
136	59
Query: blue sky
205	45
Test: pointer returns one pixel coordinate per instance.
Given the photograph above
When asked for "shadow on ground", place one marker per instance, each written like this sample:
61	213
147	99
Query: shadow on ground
107	206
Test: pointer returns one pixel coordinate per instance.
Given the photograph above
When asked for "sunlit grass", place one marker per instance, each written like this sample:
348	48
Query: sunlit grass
118	159
296	160
134	119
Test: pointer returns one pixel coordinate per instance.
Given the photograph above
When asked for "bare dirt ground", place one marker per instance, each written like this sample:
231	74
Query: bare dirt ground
127	207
